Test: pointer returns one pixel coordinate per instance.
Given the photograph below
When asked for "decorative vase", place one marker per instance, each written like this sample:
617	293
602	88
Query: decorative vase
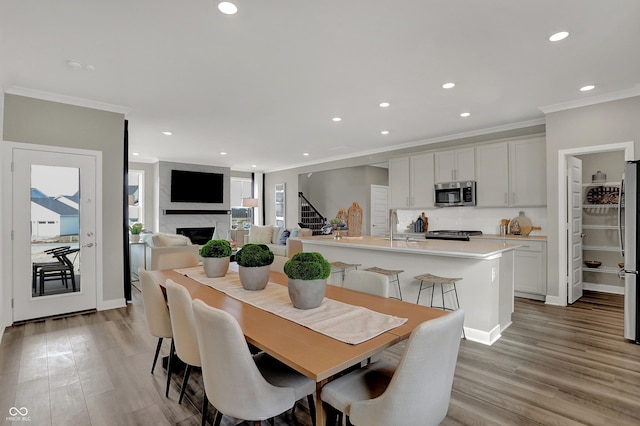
135	238
254	277
215	267
307	294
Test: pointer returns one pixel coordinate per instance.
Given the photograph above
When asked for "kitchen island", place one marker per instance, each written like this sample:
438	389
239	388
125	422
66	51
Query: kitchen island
486	268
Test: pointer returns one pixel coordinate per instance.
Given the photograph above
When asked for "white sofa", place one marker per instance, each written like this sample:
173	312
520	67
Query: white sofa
271	237
155	245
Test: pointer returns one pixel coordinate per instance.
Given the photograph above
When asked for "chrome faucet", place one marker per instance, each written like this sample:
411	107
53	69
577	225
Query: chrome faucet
393	221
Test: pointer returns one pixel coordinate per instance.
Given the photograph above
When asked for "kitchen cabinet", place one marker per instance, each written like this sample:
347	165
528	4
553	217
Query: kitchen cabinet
530	266
411	181
511	174
601	241
455	165
492	175
527	170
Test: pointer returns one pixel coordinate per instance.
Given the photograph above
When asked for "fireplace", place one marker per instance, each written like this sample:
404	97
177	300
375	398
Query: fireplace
197	236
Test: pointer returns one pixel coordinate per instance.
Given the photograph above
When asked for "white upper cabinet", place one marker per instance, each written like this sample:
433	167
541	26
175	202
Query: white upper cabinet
511	174
455	165
492	175
528	171
411	181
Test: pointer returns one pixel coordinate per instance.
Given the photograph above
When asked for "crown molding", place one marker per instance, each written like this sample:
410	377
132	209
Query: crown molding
54	97
592	100
421	142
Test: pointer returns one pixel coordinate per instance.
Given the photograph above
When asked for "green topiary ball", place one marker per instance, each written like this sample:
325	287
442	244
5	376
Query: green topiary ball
216	248
307	266
252	255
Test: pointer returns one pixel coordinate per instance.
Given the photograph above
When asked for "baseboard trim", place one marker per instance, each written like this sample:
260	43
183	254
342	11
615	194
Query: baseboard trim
554	300
105	305
485	337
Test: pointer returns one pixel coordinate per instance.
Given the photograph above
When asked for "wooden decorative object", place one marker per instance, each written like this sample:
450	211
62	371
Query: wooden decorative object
342	215
355	220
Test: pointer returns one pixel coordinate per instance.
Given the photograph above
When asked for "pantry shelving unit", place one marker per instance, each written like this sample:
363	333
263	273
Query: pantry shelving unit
600	230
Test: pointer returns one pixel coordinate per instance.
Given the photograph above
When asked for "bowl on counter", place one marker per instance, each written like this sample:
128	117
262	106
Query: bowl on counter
592	263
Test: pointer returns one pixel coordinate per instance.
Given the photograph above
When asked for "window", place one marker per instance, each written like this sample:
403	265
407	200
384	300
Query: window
240	216
136	196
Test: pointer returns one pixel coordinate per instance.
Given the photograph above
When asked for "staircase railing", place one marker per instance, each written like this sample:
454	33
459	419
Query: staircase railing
310	217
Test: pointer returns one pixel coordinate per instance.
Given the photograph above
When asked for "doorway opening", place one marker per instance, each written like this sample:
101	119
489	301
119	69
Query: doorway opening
566	226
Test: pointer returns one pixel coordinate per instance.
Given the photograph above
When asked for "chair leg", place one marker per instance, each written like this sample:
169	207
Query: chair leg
398	282
166	393
205	406
312	409
349	421
218	419
155	358
187	372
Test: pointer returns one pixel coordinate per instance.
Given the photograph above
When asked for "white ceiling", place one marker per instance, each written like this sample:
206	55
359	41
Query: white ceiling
264	84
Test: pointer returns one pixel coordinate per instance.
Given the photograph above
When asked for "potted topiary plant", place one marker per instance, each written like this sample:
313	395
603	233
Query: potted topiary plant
254	262
307	273
135	231
215	257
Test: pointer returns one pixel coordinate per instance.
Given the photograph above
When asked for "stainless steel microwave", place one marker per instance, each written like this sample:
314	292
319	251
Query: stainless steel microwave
453	194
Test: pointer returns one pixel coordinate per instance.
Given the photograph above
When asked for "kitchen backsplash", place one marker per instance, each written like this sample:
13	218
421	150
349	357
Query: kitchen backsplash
472	218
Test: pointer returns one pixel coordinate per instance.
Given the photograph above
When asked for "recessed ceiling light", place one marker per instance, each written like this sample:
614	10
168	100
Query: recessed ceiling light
74	64
135	153
384	104
254	165
223	153
448	85
90	68
587	88
167	133
385	132
306	154
227	8
559	36
337	119
465	114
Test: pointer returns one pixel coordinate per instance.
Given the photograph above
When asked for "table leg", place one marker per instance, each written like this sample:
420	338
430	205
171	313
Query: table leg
321	413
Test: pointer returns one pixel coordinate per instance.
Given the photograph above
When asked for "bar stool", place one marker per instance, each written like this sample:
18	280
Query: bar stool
389	273
341	267
432	281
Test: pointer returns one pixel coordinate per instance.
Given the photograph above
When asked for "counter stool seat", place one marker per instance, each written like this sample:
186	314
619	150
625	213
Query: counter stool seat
389	273
433	280
341	267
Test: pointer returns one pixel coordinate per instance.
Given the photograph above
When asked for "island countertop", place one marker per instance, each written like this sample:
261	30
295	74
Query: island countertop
463	249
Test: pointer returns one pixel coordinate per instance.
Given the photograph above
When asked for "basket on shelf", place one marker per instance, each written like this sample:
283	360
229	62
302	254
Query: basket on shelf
603	195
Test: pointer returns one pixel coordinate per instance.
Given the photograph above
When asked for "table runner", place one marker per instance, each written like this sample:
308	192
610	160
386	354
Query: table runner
341	321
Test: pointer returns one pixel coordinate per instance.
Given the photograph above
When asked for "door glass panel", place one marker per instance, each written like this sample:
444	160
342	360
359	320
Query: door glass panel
55	230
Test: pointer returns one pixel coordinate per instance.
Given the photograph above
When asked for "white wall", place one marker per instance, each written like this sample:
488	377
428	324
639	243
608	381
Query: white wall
599	124
5	320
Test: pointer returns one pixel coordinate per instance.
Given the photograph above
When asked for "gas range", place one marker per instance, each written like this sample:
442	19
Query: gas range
450	235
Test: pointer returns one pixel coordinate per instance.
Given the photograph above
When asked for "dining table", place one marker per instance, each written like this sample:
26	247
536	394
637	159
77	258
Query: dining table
309	352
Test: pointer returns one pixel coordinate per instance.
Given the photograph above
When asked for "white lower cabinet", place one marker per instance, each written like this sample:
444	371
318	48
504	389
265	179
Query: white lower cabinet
530	267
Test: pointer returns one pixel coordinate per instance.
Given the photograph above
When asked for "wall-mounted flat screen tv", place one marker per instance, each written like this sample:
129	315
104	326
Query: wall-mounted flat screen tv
196	187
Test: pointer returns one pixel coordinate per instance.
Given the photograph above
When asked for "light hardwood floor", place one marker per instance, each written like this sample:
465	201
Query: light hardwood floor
553	366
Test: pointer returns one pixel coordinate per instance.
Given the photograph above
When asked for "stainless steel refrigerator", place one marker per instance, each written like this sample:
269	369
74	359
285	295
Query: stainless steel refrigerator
628	210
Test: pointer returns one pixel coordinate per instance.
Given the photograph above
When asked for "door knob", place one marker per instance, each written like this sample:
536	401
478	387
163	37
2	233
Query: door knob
87	245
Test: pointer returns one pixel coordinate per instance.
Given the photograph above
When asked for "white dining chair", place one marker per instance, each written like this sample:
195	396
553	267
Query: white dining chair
367	282
416	392
184	331
262	386
155	311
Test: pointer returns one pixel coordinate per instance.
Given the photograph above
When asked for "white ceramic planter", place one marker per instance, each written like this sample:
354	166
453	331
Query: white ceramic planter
307	294
215	267
135	238
254	277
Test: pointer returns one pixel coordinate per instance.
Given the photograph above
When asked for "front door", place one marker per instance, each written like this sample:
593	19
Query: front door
574	227
53	223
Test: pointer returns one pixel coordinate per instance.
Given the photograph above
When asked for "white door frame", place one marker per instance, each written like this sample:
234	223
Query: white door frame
371	230
628	148
7	184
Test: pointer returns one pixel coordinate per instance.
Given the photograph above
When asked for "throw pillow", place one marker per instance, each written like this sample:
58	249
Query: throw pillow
260	234
169	240
275	235
294	233
282	240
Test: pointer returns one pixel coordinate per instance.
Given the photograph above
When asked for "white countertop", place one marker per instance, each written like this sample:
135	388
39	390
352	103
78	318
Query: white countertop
466	249
510	237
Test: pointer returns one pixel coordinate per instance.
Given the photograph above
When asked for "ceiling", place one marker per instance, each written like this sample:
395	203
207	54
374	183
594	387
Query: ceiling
264	84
